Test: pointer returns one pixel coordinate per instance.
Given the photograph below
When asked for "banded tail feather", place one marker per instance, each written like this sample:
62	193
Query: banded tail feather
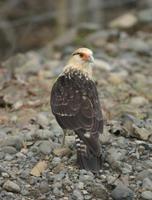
86	159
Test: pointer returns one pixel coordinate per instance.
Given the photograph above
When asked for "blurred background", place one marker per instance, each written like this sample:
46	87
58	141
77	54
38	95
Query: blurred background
31	24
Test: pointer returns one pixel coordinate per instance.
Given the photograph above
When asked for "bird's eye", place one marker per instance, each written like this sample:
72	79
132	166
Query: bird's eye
81	55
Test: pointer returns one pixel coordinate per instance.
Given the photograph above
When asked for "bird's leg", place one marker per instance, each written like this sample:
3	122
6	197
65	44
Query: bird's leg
64	134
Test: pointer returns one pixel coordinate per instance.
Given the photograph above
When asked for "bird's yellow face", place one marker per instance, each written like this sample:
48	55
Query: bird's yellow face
82	60
82	56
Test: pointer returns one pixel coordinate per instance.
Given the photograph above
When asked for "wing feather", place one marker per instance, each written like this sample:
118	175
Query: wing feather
75	103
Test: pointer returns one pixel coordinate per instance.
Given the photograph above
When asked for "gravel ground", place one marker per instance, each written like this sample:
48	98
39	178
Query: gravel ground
33	165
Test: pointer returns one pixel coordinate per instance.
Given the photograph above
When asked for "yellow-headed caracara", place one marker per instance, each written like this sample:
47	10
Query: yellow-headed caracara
75	104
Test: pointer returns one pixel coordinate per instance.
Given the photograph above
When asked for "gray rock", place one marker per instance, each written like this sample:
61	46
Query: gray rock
146	195
5	175
11	186
145	16
43	120
8	149
147	173
129	18
45	147
99	191
147	184
77	195
44	187
122	192
8	157
2	134
115	155
44	134
14	141
56	129
56	161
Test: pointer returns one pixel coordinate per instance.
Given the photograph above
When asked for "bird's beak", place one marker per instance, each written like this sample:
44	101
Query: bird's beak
89	58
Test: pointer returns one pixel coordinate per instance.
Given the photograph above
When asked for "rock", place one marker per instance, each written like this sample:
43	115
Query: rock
44	187
138	101
56	128
43	120
147	195
115	154
5	175
102	65
80	185
141	133
56	161
145	16
69	140
99	191
105	137
115	79
61	151
87	28
125	21
147	173
17	105
45	147
14	141
147	184
77	195
63	40
43	134
122	192
8	149
11	186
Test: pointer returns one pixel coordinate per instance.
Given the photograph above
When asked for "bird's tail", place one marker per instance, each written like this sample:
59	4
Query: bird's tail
88	154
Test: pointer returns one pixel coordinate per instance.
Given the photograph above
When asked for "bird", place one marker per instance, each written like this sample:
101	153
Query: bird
75	104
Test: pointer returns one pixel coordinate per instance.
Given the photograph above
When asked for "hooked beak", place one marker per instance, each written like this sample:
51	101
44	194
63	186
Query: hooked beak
89	58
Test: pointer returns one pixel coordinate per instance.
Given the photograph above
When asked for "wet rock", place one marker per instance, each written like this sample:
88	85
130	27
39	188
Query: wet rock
147	195
77	195
122	192
129	19
11	186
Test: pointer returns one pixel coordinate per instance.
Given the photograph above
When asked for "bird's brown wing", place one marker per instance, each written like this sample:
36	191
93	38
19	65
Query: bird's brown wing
75	103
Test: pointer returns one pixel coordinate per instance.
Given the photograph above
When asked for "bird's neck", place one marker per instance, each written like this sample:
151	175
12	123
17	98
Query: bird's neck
85	69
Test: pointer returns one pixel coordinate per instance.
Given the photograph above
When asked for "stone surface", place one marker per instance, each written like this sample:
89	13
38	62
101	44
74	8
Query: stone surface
147	195
122	192
11	186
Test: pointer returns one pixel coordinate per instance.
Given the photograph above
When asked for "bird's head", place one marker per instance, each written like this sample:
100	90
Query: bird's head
82	56
82	60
